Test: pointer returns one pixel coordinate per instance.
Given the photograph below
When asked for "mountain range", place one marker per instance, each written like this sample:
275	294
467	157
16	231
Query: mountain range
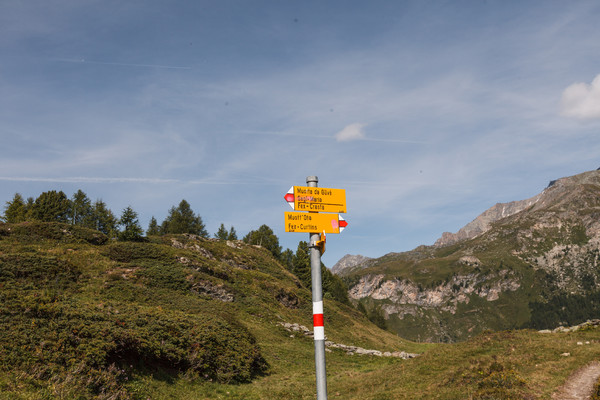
528	263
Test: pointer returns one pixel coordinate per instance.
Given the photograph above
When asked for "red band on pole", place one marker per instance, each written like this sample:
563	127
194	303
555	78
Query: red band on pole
318	320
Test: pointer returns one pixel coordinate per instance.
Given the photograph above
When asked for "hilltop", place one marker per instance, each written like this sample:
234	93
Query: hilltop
85	316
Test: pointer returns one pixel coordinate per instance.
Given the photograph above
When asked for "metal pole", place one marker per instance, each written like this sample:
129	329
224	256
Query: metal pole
317	298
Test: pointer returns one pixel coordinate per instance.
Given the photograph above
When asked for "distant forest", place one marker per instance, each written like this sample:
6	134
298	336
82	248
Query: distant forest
56	206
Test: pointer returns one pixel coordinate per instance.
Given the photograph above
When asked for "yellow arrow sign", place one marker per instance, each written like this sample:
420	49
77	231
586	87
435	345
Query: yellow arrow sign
316	199
314	222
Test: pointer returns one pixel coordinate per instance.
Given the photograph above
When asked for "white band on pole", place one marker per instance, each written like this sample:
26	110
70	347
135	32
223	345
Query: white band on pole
318	307
319	332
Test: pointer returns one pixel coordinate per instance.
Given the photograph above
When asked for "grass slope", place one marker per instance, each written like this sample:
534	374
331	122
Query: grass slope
182	318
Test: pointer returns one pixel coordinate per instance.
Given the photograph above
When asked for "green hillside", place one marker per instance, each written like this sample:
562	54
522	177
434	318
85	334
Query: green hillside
84	316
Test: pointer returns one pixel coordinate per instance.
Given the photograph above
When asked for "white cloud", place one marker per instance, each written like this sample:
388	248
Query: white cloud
582	101
351	132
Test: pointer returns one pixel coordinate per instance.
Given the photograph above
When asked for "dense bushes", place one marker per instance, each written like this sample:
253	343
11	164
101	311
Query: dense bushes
52	337
36	271
130	251
32	232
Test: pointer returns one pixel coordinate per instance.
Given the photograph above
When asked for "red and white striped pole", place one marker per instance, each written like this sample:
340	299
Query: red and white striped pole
317	298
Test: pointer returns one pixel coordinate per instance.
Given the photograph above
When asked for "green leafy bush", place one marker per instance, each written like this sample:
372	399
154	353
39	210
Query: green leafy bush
166	277
37	271
99	346
130	251
31	232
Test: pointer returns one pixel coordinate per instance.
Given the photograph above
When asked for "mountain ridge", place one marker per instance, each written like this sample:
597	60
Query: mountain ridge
534	260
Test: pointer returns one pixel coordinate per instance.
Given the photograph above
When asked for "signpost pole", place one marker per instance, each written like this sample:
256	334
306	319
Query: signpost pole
317	298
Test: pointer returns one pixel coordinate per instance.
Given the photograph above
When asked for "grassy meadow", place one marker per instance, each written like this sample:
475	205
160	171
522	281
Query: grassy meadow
180	317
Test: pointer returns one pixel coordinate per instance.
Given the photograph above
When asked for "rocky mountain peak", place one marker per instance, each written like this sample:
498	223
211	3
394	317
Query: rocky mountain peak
349	262
554	192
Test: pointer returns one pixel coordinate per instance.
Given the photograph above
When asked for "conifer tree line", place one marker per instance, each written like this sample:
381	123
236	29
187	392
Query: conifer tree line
55	206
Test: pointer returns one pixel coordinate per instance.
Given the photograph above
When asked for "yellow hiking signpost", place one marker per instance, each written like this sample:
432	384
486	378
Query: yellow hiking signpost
323	206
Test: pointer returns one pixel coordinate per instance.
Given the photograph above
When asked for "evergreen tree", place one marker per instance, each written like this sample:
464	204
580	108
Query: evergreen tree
376	316
103	219
51	206
287	259
153	228
232	234
15	210
222	233
132	231
265	237
81	209
29	208
183	220
334	286
301	264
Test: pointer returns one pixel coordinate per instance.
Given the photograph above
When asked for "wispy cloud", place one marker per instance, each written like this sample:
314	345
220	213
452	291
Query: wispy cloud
84	61
81	179
108	180
581	100
351	132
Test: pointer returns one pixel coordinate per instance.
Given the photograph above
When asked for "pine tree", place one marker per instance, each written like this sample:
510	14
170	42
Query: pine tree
51	206
265	237
103	219
132	231
183	220
222	233
81	209
301	264
232	234
15	210
334	286
287	259
153	228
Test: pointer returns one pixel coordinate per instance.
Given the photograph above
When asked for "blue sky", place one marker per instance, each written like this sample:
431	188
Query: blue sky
426	112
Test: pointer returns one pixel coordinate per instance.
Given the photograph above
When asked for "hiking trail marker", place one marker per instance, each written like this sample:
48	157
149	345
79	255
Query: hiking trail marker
314	222
315	199
323	206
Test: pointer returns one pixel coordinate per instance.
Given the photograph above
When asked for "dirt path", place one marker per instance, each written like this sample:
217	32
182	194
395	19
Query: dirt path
579	386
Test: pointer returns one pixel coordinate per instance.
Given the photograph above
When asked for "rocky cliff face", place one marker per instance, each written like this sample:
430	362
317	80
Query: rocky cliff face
530	263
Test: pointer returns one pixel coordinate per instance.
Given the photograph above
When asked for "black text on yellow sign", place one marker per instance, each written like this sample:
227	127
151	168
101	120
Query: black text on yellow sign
318	199
314	222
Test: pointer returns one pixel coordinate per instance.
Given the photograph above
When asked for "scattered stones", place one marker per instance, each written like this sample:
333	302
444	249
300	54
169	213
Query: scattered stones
193	246
237	244
350	350
217	292
562	329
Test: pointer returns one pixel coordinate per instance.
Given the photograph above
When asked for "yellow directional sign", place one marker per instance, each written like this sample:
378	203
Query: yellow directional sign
314	222
316	199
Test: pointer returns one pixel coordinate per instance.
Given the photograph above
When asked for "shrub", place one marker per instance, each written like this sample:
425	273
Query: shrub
36	270
54	341
130	251
31	232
